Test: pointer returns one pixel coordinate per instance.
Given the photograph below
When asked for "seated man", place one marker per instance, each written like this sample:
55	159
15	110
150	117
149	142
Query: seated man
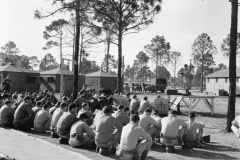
81	134
56	116
120	116
149	124
65	122
107	132
52	109
236	126
24	116
134	105
144	105
6	115
38	107
53	99
42	120
127	111
80	100
85	109
194	131
130	148
174	132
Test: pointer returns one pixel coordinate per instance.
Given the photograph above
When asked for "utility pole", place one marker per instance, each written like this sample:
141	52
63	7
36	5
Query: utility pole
123	66
190	67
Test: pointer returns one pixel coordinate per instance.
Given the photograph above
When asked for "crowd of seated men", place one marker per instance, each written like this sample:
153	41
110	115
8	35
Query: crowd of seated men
128	132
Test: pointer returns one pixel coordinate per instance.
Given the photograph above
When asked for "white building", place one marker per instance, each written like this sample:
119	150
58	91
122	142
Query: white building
219	81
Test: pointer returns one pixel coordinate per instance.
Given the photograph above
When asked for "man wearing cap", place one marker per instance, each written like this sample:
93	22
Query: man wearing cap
173	132
134	105
236	126
24	116
6	115
107	131
144	105
81	134
149	124
130	147
120	116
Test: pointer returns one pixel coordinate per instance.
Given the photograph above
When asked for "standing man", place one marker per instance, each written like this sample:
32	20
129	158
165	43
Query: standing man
186	79
7	84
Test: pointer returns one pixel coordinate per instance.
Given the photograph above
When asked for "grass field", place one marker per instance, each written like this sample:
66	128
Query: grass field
222	146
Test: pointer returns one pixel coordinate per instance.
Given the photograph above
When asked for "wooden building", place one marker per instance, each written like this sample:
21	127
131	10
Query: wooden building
96	79
21	78
218	82
51	80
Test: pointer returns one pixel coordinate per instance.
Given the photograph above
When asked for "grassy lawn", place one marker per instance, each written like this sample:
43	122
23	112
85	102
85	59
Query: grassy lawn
222	146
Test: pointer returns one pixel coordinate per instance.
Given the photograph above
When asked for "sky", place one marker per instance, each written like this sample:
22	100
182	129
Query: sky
180	22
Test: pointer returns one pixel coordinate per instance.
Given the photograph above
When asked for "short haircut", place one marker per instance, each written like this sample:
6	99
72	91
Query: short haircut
63	104
173	112
120	107
49	103
191	115
145	98
27	98
83	116
126	109
116	91
5	95
81	92
107	110
7	102
45	106
148	110
135	96
39	103
185	65
128	94
135	118
72	106
48	95
155	112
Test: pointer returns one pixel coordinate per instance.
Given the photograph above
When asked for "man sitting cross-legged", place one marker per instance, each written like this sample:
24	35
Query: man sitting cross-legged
236	126
81	134
120	116
24	116
149	124
85	109
42	120
194	131
6	115
174	132
55	118
130	146
107	132
65	122
38	107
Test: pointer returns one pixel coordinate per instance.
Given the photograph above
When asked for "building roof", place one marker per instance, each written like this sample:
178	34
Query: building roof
224	73
100	74
57	71
13	68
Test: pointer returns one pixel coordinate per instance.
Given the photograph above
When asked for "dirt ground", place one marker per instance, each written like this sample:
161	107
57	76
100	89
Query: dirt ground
222	146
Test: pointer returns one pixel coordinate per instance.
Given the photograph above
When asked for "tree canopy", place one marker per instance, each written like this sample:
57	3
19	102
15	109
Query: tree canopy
48	63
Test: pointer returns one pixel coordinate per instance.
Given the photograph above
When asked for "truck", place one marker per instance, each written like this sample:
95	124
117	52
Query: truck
161	83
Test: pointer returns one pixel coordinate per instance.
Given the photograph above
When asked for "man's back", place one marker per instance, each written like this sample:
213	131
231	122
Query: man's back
192	129
170	126
146	121
143	105
130	134
66	120
121	117
41	117
6	113
56	116
36	109
23	111
80	127
134	104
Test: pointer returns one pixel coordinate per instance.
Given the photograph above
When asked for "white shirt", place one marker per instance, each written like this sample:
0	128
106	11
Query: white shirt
192	129
236	121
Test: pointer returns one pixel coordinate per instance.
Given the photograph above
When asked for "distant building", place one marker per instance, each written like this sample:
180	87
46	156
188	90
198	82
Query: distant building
219	80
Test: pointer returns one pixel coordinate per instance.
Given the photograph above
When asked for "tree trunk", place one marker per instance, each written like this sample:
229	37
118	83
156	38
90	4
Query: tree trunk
108	48
75	74
156	73
232	65
61	49
202	76
120	61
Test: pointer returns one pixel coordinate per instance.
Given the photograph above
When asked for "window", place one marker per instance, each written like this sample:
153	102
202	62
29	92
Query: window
31	79
50	80
217	80
226	80
208	80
